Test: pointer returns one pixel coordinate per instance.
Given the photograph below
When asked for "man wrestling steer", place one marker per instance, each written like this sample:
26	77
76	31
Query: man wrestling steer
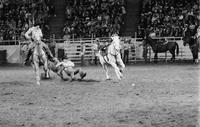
68	67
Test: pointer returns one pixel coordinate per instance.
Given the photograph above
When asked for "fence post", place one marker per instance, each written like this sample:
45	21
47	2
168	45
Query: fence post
82	54
165	57
56	47
93	54
19	45
135	41
135	59
149	53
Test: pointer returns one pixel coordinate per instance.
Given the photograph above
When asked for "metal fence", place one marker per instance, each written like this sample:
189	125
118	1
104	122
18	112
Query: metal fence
79	50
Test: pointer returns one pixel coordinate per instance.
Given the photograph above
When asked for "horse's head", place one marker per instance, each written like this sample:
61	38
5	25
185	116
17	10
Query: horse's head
95	47
116	41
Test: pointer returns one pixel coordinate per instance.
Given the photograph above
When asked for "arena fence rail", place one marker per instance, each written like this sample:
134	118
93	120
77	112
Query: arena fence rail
80	50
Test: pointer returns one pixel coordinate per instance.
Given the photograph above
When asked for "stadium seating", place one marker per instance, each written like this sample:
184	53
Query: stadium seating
95	18
18	15
168	17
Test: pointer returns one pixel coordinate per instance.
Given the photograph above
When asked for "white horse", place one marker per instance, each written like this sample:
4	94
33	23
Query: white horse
112	57
39	56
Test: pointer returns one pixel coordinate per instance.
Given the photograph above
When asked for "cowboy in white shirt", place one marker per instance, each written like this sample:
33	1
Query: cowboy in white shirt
35	34
69	68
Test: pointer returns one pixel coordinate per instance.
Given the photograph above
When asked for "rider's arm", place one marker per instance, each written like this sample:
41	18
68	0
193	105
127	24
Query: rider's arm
27	33
58	64
40	33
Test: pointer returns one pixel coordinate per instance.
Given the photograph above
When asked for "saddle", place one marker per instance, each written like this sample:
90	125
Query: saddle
103	49
161	42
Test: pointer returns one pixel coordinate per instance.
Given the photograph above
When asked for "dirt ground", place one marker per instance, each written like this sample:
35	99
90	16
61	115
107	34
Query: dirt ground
163	96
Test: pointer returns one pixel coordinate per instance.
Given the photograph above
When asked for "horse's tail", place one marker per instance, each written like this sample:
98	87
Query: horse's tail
177	49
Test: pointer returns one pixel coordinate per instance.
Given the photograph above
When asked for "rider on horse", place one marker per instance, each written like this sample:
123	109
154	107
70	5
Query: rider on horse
35	34
102	47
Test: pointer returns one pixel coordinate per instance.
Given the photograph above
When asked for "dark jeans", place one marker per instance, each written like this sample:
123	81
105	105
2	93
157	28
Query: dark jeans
126	56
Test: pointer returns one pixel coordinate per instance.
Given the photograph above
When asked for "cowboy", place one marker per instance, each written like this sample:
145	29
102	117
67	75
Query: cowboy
126	48
35	34
97	42
198	36
57	70
69	68
102	47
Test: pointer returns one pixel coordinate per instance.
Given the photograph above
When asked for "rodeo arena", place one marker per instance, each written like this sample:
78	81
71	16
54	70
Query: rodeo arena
99	63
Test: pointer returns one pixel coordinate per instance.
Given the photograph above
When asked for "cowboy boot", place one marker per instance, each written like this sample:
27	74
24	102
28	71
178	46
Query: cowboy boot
82	74
27	57
76	71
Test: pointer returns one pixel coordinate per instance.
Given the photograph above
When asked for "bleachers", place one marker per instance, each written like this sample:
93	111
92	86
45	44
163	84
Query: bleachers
168	17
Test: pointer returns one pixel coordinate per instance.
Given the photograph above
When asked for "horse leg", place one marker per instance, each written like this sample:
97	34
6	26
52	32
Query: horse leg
156	58
118	73
37	72
46	70
71	71
197	55
103	63
60	72
173	55
106	70
121	63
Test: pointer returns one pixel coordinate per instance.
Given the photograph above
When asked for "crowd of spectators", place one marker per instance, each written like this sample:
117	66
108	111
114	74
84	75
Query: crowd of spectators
97	18
18	15
168	17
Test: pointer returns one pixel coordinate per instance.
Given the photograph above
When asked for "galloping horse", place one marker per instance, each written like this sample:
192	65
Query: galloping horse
160	47
112	57
38	57
190	39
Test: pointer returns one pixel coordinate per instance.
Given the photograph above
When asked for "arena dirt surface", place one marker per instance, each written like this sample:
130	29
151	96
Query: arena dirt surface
163	96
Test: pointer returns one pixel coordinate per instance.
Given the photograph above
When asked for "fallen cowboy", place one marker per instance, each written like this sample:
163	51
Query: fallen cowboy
66	70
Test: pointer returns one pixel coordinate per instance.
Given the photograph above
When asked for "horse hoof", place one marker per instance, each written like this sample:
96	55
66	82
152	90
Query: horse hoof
108	78
196	61
119	79
38	83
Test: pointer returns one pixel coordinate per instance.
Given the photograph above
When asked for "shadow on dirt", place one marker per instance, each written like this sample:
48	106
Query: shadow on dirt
81	82
88	80
14	83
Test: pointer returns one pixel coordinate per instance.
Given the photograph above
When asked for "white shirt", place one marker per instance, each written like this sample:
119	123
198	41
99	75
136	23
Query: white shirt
35	33
66	63
198	32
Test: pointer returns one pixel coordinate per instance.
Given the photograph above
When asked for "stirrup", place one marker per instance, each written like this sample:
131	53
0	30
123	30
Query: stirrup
25	63
83	75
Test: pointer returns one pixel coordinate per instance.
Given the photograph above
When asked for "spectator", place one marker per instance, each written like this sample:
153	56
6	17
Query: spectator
168	16
92	17
17	14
